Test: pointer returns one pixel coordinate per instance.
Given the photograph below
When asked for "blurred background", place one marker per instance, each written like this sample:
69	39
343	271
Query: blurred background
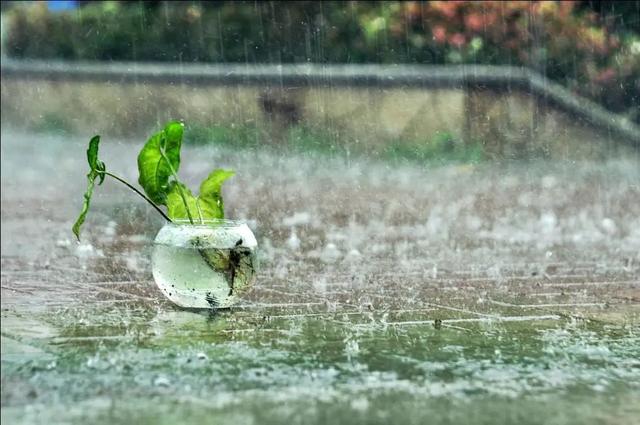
591	50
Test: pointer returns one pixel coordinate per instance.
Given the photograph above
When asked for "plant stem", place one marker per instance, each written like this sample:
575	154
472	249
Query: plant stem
175	176
199	210
149	201
184	200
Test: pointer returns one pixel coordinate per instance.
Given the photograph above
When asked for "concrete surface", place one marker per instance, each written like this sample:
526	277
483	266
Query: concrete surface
497	293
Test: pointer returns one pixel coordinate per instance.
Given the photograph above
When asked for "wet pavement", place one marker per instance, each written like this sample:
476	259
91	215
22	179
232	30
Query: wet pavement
387	293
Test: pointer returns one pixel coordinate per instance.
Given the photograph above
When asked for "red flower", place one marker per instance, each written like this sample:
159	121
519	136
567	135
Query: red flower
439	34
474	21
447	8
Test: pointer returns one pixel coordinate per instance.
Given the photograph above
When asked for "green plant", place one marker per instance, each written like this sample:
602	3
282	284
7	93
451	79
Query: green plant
441	148
234	136
158	164
590	47
308	139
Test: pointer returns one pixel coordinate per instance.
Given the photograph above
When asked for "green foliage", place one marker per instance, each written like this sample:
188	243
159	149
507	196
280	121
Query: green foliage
232	136
208	205
210	200
181	204
158	164
588	46
441	148
159	160
96	171
308	139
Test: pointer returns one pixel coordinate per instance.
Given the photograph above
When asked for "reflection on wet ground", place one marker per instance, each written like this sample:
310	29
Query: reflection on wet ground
494	293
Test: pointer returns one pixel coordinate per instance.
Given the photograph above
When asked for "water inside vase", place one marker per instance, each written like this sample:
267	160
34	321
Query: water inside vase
195	277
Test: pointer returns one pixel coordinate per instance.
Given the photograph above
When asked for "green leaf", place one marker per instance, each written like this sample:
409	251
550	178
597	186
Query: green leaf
92	152
96	170
85	209
95	165
158	160
101	168
210	199
176	208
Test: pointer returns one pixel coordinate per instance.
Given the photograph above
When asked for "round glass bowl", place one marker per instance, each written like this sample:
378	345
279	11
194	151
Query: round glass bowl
204	265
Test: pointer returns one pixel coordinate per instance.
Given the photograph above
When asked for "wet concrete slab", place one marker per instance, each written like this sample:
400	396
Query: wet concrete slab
387	292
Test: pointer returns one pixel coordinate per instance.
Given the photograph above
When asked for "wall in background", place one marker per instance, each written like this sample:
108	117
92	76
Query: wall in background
496	107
